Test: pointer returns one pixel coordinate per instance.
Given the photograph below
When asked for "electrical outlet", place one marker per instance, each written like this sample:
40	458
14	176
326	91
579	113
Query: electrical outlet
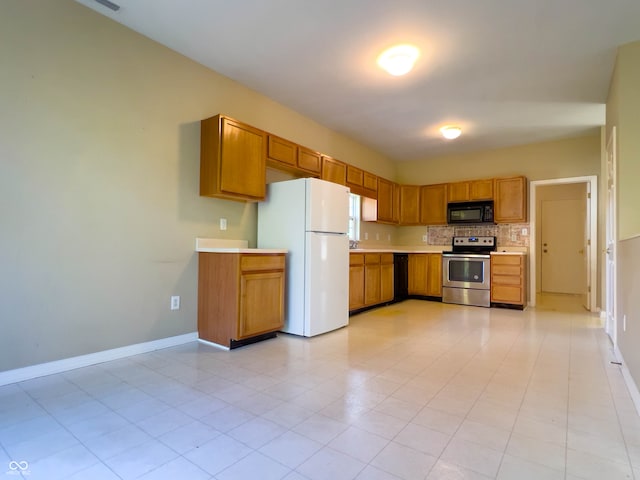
525	231
424	238
366	235
223	224
514	238
388	237
175	302
377	236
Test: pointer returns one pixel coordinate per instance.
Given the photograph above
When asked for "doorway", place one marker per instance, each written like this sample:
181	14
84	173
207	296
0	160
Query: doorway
611	238
570	265
562	239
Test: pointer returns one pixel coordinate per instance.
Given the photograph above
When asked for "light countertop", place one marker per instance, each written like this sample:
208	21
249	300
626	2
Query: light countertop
219	245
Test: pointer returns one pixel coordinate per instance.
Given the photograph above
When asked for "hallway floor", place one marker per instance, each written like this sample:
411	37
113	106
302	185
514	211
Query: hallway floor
412	391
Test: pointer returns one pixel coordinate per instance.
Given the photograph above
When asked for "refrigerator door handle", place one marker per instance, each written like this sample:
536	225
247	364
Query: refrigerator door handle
338	234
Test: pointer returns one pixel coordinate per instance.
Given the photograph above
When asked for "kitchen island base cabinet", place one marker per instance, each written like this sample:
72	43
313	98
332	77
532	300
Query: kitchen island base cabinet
240	297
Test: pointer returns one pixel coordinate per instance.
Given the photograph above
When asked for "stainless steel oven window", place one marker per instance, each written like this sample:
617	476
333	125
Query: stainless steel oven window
471	271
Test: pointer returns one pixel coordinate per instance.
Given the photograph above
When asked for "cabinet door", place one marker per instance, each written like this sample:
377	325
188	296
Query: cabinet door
385	201
386	277
242	160
370	185
261	303
434	275
282	151
418	266
481	189
309	161
396	203
458	192
372	278
356	281
356	287
334	170
510	200
433	204
409	205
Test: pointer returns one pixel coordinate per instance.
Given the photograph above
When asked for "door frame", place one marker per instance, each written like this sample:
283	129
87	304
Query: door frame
592	219
611	239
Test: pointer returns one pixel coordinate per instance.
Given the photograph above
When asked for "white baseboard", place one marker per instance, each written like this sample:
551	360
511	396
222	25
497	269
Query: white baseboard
58	366
628	380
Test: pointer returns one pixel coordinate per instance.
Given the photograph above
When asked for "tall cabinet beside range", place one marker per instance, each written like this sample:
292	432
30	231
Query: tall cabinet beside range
310	217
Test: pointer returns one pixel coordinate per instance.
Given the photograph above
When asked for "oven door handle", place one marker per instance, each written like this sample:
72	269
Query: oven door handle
464	256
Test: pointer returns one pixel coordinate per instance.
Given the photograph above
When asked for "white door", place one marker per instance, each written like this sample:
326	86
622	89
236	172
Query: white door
586	298
611	233
562	228
327	207
326	282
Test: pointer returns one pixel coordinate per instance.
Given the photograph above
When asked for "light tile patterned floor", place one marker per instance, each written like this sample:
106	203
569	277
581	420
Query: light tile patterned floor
412	391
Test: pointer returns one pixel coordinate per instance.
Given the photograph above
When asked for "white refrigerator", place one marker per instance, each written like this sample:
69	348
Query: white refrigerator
310	217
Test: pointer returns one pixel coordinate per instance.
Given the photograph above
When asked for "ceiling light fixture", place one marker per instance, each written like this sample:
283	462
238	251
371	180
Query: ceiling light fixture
113	6
398	60
450	132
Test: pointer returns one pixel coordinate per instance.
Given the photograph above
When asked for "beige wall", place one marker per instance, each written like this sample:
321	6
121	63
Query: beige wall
623	105
574	157
99	141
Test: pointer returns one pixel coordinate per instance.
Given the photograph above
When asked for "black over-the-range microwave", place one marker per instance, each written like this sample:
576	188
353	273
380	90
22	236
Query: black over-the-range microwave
470	212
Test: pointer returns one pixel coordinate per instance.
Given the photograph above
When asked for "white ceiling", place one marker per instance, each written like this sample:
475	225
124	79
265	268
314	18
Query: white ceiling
508	71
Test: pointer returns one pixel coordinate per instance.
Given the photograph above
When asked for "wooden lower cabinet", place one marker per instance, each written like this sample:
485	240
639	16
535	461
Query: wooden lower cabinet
370	279
386	277
508	279
240	296
425	274
356	281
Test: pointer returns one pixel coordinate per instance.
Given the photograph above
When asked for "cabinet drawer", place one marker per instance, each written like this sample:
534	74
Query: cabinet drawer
386	258
505	279
506	270
371	258
261	262
506	259
356	259
506	294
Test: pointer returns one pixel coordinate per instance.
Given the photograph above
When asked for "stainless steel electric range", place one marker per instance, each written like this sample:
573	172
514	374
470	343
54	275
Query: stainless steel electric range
466	271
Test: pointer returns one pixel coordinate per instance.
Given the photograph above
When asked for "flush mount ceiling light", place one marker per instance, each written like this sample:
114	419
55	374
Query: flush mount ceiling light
450	132
398	60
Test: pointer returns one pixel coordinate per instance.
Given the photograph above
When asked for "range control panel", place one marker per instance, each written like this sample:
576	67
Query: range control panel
485	242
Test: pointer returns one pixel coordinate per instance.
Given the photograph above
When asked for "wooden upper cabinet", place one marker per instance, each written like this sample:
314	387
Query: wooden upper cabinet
232	160
283	151
433	204
409	204
361	182
481	189
396	203
370	185
334	170
470	190
309	161
385	201
458	192
510	204
355	179
288	156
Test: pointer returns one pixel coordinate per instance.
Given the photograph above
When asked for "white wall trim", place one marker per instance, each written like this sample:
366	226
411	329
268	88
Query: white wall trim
628	380
58	366
592	180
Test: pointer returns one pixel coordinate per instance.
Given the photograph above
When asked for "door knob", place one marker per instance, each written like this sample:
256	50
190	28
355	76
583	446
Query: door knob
545	250
581	251
544	244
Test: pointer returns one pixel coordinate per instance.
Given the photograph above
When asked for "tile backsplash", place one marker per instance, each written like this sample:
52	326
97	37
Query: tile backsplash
507	234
